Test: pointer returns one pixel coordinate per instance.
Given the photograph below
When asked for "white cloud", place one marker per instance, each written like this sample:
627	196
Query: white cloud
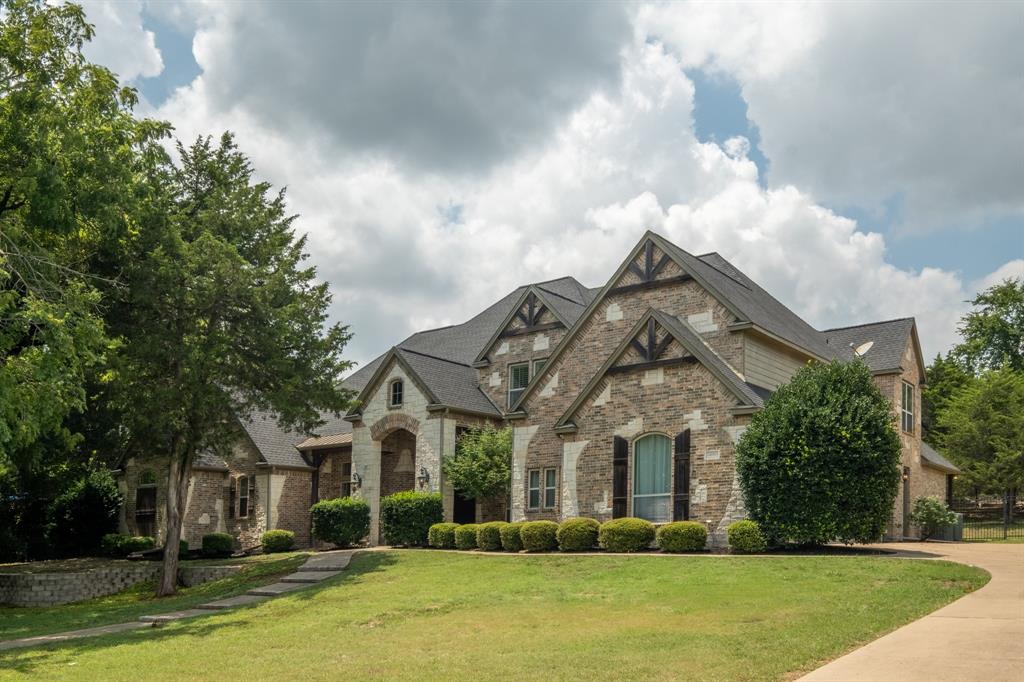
1014	269
122	44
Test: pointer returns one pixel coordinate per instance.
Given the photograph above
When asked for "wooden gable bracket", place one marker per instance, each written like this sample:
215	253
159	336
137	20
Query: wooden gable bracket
651	351
648	275
530	314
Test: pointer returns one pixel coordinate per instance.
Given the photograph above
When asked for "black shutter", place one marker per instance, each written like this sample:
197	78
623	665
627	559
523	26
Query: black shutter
620	476
231	497
681	500
252	495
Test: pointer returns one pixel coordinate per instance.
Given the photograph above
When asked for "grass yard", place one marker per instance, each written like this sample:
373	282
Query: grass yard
430	615
139	600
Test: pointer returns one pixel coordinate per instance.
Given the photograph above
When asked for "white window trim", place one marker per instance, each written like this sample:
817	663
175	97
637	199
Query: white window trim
632	480
518	391
533	367
544	488
243	496
391	393
539	488
906	412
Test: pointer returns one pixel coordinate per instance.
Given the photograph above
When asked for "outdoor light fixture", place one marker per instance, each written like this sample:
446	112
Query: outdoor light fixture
357	480
424	477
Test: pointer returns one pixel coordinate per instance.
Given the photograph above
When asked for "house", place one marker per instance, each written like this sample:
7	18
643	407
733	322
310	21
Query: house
624	400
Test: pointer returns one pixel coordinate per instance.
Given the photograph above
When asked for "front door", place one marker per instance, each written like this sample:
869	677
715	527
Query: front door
464	509
906	502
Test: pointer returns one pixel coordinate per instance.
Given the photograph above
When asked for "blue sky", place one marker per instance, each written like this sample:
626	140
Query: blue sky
464	149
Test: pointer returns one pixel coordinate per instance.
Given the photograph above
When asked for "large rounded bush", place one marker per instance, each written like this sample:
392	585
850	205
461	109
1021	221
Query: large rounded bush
682	536
626	535
343	521
465	536
488	536
577	535
511	540
406	517
218	545
745	537
931	515
81	515
539	536
442	535
821	461
277	541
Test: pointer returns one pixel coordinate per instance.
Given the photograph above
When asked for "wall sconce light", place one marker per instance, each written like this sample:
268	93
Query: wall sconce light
424	477
357	480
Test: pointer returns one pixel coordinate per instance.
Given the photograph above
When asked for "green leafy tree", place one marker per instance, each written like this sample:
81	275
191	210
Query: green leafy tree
220	316
947	377
821	461
983	431
993	334
482	464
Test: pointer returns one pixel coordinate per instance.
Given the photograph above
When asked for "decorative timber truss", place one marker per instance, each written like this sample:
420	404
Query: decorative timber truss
530	314
648	274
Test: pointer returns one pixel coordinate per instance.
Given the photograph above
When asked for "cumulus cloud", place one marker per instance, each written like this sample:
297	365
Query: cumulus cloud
1014	269
123	45
863	104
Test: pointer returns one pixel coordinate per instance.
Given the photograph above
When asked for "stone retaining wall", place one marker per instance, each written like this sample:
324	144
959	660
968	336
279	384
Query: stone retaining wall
52	589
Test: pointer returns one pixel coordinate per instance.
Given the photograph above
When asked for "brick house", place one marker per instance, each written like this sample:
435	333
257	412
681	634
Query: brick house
624	400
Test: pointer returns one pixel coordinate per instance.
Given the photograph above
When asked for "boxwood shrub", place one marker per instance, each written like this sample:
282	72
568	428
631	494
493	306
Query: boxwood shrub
626	535
119	546
511	540
406	517
442	535
343	521
745	537
488	536
682	536
277	541
465	536
218	544
577	535
539	536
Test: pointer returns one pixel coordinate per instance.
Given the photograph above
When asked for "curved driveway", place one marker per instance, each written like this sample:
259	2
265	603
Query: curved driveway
978	637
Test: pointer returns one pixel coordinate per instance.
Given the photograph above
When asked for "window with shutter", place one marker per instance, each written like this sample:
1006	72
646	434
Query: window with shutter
652	475
620	476
681	501
243	497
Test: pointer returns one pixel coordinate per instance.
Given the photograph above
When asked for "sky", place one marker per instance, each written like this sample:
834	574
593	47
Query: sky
860	161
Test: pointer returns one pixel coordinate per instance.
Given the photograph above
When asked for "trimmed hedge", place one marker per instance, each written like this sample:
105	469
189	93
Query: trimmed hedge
343	521
218	544
465	536
442	535
745	537
277	541
577	535
511	540
488	536
406	517
119	546
682	536
539	536
626	535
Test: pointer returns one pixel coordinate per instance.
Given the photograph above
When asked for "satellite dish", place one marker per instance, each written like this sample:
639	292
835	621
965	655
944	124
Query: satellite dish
863	348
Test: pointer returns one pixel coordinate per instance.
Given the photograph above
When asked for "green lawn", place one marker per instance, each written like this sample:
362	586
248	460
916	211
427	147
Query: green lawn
139	600
431	615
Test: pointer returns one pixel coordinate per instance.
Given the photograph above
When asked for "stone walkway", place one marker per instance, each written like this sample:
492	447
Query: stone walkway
319	567
977	637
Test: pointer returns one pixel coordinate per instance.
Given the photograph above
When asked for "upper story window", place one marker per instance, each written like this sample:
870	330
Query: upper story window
538	366
652	478
397	392
907	407
518	378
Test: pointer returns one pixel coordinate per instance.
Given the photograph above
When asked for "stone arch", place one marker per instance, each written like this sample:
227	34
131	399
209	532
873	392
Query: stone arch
392	422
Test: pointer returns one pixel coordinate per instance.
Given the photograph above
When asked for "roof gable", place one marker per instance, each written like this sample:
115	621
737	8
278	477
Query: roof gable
889	341
532	312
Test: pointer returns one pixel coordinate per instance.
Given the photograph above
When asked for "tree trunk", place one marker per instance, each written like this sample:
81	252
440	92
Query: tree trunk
177	494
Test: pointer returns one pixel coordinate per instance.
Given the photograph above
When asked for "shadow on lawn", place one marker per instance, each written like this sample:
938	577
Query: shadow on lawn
27	660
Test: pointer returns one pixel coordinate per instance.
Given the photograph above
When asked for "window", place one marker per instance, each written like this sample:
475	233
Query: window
538	366
533	489
243	497
147	477
550	488
652	478
145	511
346	479
518	378
397	391
908	407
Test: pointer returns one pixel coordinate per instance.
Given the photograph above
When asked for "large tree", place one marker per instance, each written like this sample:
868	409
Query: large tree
482	464
947	377
993	333
219	316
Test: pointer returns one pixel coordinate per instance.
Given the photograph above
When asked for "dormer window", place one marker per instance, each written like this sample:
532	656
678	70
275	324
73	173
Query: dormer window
397	393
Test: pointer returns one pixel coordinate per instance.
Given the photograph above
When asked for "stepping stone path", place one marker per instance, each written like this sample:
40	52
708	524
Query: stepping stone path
319	567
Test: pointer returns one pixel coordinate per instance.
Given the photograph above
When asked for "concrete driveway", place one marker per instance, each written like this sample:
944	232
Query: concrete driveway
978	637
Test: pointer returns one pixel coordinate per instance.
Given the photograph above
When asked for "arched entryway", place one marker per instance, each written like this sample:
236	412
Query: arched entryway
397	462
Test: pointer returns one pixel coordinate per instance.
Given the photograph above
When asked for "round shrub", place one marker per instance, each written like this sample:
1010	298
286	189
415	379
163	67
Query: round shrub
511	540
119	546
931	515
442	535
745	537
682	536
577	535
138	543
821	461
277	541
218	544
85	512
465	536
343	521
406	517
539	536
626	535
488	536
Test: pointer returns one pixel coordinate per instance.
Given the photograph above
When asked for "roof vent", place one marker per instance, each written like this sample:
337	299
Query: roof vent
863	348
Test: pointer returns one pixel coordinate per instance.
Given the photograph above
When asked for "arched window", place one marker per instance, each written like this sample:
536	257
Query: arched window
397	392
652	478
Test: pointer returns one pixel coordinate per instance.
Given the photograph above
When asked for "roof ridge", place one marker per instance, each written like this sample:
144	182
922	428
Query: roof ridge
555	293
432	357
713	267
868	324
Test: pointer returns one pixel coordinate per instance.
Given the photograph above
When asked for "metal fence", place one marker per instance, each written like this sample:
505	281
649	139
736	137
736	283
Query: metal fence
991	517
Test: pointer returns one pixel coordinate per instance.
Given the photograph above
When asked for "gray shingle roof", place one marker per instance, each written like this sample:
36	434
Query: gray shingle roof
453	384
889	342
208	460
276	445
932	458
